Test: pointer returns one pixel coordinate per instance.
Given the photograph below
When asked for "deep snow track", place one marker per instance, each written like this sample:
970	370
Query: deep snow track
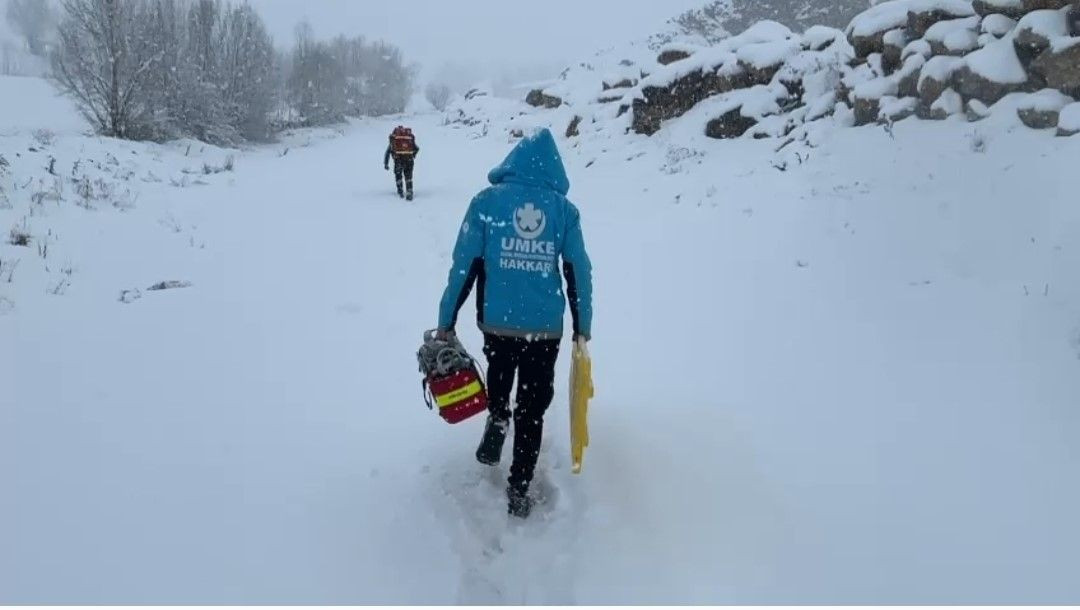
826	385
260	436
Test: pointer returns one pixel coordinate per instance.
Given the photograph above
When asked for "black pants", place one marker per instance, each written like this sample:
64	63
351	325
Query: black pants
403	168
534	363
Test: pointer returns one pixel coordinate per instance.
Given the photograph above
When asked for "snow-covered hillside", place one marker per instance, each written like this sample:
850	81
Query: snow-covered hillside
842	371
935	59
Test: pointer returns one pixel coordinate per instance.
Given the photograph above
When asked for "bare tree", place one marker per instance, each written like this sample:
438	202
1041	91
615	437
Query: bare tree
203	113
160	69
438	95
247	72
162	36
389	82
377	81
316	82
708	22
95	65
8	63
34	20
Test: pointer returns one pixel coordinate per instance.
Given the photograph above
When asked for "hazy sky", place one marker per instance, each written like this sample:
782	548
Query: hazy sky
500	32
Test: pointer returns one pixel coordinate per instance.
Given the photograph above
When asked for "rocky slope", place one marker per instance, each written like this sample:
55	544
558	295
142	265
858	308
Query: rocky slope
931	59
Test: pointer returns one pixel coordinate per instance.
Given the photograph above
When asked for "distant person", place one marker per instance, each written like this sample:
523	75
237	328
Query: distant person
509	244
403	149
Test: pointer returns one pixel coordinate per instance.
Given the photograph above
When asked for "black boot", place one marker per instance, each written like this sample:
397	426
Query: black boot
519	504
490	450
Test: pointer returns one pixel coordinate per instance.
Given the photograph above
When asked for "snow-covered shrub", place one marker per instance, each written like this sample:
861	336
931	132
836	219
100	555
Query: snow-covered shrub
227	166
977	141
19	235
160	69
44	137
438	95
719	19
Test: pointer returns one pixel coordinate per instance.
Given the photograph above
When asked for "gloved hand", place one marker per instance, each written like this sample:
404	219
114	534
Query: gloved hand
444	335
584	338
386	167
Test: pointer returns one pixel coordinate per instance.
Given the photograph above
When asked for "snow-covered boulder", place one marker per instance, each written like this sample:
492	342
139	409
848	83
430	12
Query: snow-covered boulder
949	103
810	74
892	54
896	109
737	112
867	31
738	62
763	60
774	126
852	77
976	110
1059	66
625	83
866	99
873	42
1010	8
1035	31
670	56
926	14
935	78
894	42
537	98
953	36
917	47
658	103
821	106
907	78
1040	110
962	41
997	25
1069	120
819	37
843	115
991	73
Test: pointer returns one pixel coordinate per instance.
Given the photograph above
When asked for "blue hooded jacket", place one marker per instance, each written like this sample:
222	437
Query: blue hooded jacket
510	243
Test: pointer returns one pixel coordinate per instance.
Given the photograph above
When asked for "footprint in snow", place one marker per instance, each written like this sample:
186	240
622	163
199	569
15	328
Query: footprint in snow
503	559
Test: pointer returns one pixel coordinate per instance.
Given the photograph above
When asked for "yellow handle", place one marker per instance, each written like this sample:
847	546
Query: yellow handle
581	390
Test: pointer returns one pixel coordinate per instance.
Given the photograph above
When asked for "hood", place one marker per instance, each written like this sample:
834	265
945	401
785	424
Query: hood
535	161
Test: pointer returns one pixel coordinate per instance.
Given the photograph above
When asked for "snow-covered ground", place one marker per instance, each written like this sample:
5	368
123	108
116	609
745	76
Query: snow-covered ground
837	373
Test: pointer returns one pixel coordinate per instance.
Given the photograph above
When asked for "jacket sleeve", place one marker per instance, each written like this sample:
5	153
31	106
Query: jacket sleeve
578	271
386	157
467	264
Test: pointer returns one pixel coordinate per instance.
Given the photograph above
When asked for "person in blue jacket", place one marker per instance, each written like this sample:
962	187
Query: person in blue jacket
510	244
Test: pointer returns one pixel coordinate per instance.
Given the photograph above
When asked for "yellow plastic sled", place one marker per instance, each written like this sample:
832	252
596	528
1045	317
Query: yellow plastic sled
581	390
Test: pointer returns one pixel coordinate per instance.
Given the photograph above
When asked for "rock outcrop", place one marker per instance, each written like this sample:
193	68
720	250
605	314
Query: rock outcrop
932	58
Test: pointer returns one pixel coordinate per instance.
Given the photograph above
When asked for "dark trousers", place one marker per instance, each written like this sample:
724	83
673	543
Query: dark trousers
534	363
403	168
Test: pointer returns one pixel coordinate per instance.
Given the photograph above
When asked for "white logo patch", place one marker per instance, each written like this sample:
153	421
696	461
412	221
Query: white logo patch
526	252
529	222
